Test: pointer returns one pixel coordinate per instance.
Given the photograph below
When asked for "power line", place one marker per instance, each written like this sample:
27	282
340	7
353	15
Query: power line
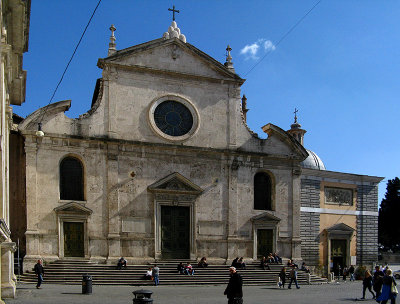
72	56
284	36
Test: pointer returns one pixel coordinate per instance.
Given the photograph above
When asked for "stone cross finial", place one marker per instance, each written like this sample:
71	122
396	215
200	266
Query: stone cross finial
229	63
112	46
173	10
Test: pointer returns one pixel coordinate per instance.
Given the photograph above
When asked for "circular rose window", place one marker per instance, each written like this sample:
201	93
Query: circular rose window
173	118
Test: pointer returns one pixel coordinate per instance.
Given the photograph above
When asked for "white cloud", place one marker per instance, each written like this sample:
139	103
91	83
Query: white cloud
269	46
250	51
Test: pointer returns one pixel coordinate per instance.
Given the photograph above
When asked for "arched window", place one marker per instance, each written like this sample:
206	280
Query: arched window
262	191
71	179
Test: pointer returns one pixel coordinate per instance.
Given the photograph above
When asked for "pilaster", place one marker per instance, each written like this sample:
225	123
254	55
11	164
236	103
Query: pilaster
296	199
114	248
8	286
232	244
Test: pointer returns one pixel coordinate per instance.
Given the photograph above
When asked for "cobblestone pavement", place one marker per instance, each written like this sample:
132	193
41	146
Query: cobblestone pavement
343	292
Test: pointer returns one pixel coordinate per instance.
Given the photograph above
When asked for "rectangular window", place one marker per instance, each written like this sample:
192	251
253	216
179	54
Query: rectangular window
338	196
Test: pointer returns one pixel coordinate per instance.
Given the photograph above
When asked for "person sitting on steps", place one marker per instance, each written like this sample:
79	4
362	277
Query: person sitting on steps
235	262
264	264
290	263
181	268
270	258
277	258
121	263
202	263
241	264
189	269
305	268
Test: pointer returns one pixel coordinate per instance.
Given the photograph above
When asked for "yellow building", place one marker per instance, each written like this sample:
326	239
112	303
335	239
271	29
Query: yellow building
338	214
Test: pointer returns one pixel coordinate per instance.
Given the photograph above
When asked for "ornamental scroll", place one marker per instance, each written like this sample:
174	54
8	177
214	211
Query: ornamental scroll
339	196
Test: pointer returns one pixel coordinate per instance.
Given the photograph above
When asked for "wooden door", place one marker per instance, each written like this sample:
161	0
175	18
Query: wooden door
73	239
175	232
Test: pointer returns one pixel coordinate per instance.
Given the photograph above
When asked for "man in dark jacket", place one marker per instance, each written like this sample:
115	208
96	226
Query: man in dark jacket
234	291
377	280
39	270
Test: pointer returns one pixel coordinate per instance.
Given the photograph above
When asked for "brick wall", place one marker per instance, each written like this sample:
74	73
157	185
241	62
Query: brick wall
309	226
367	225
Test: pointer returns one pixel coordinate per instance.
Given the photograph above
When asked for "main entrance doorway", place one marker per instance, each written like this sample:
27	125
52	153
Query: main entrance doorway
265	241
73	239
175	232
338	255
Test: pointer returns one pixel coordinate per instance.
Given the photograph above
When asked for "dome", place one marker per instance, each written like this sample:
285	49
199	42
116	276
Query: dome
313	161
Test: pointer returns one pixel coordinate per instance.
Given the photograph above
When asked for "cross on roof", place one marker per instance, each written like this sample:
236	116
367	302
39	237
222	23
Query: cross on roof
295	115
173	10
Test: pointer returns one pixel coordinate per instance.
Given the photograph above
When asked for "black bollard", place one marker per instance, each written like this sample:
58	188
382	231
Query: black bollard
86	284
142	296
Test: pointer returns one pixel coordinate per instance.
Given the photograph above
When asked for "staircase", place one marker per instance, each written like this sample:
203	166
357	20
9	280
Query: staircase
70	272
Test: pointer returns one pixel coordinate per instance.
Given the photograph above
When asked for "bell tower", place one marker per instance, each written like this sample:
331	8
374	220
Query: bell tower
295	129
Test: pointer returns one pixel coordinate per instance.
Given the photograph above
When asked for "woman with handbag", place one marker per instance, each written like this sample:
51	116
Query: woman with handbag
389	290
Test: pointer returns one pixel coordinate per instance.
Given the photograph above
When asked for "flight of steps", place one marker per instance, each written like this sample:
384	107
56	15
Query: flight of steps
71	271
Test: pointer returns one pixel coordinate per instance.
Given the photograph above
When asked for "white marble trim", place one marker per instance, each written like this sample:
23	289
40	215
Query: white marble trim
336	211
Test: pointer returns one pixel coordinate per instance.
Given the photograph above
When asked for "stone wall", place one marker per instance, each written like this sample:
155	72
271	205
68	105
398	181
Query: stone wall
367	225
310	222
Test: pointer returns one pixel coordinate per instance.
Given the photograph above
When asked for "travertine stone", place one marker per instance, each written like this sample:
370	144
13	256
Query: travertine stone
132	169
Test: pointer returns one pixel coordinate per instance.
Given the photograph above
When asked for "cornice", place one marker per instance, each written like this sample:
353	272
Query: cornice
181	75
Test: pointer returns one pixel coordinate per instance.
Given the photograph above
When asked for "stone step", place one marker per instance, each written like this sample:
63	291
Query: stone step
70	272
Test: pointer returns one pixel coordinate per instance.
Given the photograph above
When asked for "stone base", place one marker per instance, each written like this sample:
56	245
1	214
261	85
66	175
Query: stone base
8	290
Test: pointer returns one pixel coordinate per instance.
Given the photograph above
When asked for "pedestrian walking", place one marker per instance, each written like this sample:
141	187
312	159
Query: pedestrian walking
377	280
293	278
234	291
39	270
345	272
367	283
389	289
351	272
282	277
156	272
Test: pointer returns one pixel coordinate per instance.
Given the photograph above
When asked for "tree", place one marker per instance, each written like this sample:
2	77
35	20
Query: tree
389	216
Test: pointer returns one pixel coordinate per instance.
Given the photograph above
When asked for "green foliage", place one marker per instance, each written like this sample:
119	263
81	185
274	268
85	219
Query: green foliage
359	272
389	216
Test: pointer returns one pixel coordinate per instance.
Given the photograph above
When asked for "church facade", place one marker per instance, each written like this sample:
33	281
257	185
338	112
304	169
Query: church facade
164	166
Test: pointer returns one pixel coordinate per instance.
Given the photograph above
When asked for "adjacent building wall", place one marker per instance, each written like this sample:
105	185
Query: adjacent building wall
367	223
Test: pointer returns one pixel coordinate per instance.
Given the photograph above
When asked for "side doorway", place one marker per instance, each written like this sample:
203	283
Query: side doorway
264	234
265	242
73	240
338	255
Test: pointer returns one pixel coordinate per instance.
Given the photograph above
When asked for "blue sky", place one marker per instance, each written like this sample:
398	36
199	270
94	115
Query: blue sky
340	66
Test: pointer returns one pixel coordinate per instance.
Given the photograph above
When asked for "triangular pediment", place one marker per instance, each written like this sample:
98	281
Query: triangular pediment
73	208
340	227
265	217
175	183
170	56
284	142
